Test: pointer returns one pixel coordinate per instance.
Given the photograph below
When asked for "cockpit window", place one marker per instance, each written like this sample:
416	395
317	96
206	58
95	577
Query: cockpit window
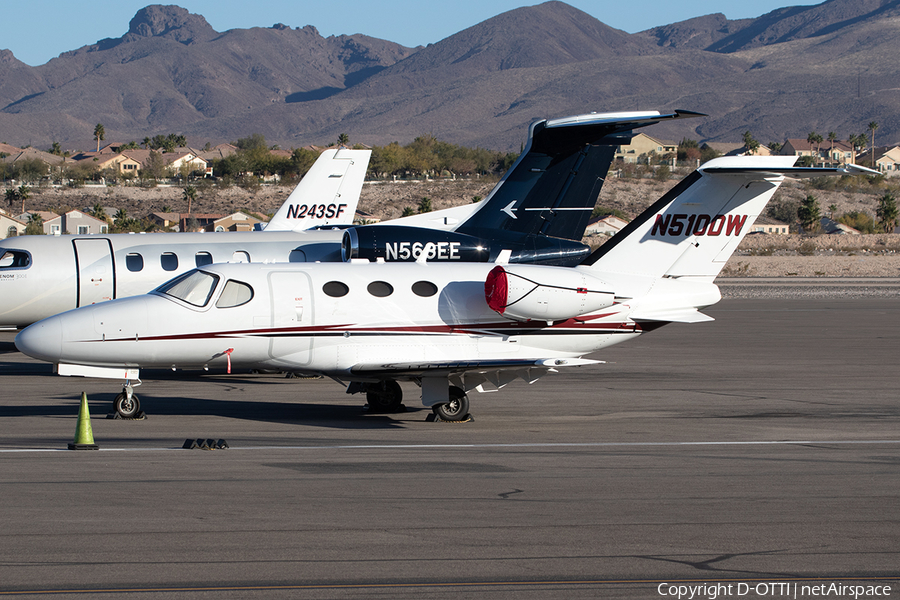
14	259
194	287
235	293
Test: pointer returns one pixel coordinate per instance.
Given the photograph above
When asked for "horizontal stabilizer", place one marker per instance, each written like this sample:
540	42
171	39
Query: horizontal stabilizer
797	172
688	315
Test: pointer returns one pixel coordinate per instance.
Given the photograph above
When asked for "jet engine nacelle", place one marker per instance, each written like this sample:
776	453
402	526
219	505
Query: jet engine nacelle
405	244
525	293
398	243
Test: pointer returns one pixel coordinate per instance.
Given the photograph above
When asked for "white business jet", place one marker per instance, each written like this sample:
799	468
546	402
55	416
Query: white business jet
450	328
539	211
42	275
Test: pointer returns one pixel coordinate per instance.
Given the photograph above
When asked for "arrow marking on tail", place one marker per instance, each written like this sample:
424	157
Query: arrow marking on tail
510	210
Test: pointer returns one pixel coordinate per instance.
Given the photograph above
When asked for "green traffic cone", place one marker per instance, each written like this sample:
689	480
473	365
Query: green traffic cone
84	436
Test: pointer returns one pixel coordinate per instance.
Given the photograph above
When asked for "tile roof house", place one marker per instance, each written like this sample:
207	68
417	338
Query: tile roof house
11	226
641	145
608	224
234	222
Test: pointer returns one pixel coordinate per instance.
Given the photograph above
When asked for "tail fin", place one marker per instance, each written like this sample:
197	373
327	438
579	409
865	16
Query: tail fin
693	230
552	188
327	195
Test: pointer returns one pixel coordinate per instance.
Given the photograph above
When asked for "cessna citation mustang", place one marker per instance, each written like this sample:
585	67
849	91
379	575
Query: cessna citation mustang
450	328
41	275
539	211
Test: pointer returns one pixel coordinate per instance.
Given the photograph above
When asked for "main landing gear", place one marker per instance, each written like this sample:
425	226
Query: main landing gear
386	397
457	409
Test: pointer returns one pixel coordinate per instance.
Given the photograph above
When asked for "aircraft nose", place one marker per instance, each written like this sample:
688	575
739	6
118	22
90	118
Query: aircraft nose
43	340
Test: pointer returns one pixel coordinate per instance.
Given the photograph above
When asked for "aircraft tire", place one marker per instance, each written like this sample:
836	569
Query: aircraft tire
384	396
455	410
127	409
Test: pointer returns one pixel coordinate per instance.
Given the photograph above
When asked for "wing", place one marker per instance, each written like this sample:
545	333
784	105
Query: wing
469	375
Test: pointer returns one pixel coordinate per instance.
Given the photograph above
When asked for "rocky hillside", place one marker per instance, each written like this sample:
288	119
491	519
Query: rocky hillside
830	67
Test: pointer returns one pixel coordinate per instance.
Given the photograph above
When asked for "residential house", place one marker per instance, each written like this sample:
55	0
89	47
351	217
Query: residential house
606	224
642	145
174	161
10	226
105	160
234	222
80	223
838	152
764	224
363	218
166	220
833	227
50	160
887	160
51	221
196	222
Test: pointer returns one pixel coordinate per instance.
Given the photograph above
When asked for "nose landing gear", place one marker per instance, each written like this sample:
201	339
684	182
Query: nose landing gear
127	405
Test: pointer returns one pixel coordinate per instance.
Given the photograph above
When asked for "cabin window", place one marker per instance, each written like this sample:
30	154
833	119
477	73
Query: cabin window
194	287
297	255
15	259
235	293
168	261
203	258
424	289
134	262
380	289
335	289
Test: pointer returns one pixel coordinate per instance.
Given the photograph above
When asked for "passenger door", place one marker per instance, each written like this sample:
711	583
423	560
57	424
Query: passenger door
292	312
95	271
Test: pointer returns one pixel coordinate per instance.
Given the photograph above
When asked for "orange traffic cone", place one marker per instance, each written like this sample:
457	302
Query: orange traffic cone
84	436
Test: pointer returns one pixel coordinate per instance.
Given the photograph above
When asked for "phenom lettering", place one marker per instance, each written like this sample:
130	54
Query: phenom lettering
684	225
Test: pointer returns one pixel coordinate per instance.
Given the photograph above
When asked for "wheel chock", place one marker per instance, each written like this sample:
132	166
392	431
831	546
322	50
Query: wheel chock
204	444
141	416
84	435
433	418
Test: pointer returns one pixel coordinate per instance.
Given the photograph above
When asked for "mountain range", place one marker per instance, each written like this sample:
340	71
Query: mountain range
827	67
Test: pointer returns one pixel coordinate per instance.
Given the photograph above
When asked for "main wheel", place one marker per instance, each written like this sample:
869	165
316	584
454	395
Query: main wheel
384	396
127	407
456	409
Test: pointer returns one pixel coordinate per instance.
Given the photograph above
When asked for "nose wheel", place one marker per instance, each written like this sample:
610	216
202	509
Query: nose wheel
457	409
127	405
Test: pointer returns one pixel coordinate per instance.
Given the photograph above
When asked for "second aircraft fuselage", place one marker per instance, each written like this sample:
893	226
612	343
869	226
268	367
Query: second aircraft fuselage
42	276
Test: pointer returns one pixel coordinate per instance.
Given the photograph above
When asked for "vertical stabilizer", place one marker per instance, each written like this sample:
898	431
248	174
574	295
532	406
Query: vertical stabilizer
693	230
327	195
551	190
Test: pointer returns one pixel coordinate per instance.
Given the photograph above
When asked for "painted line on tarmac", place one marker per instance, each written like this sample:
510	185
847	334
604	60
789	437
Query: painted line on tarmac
550	445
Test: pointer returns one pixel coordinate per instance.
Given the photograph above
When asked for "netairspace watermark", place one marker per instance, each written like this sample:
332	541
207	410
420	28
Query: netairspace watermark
790	589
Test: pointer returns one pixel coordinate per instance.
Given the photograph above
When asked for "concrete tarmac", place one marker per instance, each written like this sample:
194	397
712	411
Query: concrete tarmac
761	448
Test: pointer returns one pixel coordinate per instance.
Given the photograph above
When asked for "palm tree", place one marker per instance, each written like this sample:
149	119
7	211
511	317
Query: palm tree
815	138
189	193
99	134
832	136
343	139
872	127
